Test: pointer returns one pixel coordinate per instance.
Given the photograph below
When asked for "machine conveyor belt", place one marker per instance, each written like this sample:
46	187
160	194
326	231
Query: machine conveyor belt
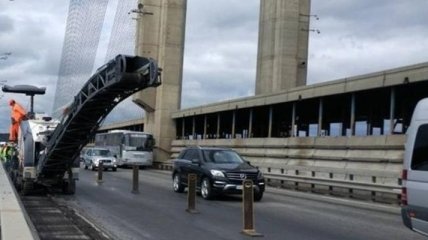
111	84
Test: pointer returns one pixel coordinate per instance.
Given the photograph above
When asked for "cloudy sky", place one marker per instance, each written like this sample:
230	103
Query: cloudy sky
357	37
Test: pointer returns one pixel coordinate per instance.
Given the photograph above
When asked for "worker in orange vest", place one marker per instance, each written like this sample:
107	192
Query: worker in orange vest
18	114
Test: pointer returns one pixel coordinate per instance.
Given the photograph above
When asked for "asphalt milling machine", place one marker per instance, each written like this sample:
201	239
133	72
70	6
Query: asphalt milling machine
48	149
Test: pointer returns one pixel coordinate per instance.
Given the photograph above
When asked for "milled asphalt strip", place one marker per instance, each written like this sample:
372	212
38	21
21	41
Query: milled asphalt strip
91	224
81	215
320	197
54	219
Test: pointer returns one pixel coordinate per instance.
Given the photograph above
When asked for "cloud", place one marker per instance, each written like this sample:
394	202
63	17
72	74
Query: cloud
359	37
220	51
34	36
6	24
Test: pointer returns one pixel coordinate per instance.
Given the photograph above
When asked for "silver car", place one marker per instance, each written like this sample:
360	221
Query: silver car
92	158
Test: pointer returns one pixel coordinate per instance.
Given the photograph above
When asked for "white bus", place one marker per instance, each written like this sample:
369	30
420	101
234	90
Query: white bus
129	147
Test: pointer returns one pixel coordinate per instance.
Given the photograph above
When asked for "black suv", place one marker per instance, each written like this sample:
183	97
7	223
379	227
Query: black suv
218	170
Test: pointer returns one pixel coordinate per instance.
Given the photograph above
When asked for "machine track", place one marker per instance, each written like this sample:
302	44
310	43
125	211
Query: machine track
53	220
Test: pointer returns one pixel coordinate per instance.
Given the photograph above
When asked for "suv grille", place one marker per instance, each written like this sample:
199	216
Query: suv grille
241	176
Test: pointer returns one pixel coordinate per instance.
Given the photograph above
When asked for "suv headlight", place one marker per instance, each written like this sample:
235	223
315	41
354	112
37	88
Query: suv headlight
217	173
260	175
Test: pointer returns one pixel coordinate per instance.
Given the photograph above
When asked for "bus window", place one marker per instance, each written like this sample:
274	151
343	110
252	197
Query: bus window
140	142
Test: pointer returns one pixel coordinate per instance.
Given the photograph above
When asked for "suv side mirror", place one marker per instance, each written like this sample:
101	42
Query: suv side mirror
196	161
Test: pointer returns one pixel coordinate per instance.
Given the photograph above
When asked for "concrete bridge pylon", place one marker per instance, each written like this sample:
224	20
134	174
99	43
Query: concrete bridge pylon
160	35
281	60
282	57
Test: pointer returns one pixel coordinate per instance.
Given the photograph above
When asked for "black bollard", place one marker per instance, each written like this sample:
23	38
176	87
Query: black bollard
191	193
248	209
135	172
100	172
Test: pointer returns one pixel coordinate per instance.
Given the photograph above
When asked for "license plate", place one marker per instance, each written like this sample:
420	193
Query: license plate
239	187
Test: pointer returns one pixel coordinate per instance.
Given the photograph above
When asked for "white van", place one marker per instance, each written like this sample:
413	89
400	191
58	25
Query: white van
414	195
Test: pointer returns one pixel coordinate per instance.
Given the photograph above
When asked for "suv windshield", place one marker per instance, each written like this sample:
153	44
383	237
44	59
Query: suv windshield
101	152
222	156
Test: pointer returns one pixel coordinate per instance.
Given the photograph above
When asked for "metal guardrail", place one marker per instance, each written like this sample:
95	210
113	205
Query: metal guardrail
313	176
163	165
373	182
365	186
14	221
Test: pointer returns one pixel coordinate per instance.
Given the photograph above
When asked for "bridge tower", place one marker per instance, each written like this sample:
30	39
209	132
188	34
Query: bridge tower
281	61
282	57
160	35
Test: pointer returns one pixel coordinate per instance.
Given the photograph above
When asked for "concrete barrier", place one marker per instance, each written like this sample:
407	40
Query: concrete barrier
366	168
15	224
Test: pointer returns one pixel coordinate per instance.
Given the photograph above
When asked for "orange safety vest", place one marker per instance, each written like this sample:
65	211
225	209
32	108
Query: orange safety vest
18	112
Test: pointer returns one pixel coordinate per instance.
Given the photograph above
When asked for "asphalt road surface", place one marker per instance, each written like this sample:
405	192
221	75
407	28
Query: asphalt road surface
159	213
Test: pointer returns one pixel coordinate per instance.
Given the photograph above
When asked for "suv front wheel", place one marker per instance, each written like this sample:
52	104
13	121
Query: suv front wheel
176	183
258	196
206	191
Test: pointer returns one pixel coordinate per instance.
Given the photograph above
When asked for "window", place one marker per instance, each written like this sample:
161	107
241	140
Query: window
186	155
191	154
222	156
420	150
114	139
101	152
140	141
181	155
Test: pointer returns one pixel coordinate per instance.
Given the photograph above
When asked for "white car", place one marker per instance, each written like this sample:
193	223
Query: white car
92	158
414	195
